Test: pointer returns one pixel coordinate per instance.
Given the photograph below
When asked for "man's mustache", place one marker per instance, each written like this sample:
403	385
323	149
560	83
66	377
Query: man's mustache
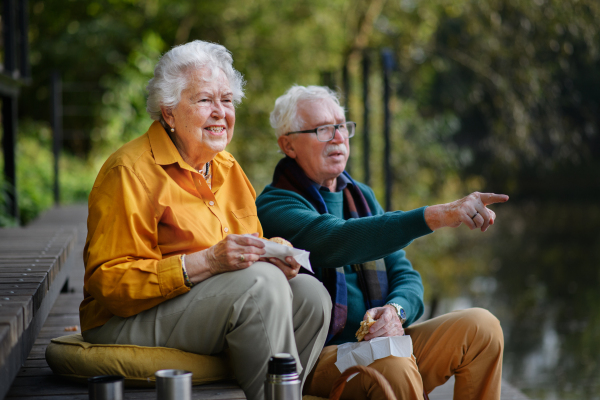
336	148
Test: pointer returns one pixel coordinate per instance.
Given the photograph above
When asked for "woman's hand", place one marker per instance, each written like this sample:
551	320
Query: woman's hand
233	253
387	322
470	210
290	267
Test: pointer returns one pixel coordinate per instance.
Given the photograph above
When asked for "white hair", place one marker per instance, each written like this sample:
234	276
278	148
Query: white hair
284	117
172	74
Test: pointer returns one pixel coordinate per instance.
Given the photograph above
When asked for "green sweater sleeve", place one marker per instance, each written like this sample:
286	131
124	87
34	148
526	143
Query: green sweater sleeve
405	286
332	241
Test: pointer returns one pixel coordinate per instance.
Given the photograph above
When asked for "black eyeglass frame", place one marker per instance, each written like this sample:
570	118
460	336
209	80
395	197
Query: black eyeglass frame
335	128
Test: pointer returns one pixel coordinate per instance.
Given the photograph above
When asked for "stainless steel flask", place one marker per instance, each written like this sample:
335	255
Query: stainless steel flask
282	381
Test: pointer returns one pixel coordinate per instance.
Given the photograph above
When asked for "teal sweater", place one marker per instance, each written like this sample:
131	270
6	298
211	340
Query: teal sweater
334	242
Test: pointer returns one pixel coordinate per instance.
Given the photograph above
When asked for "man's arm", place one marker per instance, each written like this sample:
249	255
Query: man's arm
332	241
405	286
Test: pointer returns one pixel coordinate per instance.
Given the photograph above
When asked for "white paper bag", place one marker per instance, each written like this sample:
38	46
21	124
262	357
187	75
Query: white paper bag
364	353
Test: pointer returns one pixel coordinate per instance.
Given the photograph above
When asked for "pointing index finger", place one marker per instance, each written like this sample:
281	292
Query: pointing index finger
491	198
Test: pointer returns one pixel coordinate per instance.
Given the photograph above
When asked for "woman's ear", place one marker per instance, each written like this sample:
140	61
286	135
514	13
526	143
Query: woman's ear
286	144
167	114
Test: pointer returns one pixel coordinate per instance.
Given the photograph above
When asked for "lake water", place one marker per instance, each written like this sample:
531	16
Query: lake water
544	286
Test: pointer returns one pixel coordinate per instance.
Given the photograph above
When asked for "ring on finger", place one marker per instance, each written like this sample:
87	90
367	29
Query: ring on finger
476	213
242	258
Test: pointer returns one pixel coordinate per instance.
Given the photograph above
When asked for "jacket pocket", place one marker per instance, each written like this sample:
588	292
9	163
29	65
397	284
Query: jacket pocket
248	218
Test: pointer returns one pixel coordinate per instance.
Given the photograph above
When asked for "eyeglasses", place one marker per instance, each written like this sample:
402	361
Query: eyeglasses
325	133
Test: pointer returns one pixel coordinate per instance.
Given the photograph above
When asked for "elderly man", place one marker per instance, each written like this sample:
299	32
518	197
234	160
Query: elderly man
356	251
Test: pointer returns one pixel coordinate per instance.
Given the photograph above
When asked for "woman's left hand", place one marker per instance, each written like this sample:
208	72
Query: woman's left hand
290	267
387	323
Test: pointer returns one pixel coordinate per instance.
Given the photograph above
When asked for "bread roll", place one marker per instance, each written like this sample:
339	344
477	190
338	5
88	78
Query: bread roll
364	328
281	241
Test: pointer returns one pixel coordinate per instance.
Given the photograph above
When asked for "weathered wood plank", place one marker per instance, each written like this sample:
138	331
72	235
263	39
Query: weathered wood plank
48	386
43	266
24	285
42	371
35	363
133	394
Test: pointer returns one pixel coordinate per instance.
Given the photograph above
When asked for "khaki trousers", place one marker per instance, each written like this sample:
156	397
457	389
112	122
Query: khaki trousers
467	344
255	313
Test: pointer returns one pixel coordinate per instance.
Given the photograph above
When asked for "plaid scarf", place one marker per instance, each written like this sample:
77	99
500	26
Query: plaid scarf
372	275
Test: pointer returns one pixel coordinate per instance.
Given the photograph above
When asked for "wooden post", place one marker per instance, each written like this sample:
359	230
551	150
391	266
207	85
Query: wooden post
9	106
328	79
346	88
366	112
23	41
9	32
9	144
56	113
387	62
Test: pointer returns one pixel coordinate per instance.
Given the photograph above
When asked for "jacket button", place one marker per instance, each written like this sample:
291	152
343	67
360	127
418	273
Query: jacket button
226	230
211	203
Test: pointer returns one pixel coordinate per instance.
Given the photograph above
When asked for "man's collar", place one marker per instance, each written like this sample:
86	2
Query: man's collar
341	182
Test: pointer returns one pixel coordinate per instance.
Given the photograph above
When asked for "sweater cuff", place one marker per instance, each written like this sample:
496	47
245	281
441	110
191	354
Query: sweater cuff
170	276
417	221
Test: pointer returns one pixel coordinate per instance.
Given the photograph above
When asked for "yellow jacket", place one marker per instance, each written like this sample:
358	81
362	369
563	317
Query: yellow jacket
146	208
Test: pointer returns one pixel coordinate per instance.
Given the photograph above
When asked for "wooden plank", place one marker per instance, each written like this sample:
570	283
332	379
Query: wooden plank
33	303
23	285
19	263
68	305
49	385
43	371
11	328
17	292
15	257
36	295
62	321
35	363
14	306
54	330
28	268
24	280
139	394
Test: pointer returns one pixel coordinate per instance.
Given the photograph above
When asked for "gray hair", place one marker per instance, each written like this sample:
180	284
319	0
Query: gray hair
284	117
171	74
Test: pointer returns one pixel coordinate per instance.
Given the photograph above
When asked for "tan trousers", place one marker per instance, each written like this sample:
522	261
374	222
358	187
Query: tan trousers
467	344
255	313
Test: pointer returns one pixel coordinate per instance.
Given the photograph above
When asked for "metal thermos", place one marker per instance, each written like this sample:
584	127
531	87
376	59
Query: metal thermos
282	381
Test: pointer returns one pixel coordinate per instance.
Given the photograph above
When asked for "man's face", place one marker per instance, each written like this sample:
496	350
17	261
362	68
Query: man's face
321	161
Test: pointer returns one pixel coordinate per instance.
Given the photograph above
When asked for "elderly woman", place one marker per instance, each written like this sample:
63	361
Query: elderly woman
166	262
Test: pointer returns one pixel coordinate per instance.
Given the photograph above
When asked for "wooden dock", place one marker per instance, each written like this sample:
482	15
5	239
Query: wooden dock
35	380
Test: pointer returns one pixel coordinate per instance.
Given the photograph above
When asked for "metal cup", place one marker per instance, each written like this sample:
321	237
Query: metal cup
173	384
106	387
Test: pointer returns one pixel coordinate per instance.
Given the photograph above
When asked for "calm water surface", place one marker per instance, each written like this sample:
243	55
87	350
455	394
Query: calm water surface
544	286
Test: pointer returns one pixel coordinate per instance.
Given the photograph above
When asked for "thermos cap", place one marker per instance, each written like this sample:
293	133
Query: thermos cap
282	364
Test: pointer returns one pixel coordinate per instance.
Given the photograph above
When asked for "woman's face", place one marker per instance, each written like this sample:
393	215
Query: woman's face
205	116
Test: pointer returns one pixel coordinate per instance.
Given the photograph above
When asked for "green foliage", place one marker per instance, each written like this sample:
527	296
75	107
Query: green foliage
35	175
5	218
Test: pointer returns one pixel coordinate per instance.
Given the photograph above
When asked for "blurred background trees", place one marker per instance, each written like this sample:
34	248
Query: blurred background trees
488	95
502	93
